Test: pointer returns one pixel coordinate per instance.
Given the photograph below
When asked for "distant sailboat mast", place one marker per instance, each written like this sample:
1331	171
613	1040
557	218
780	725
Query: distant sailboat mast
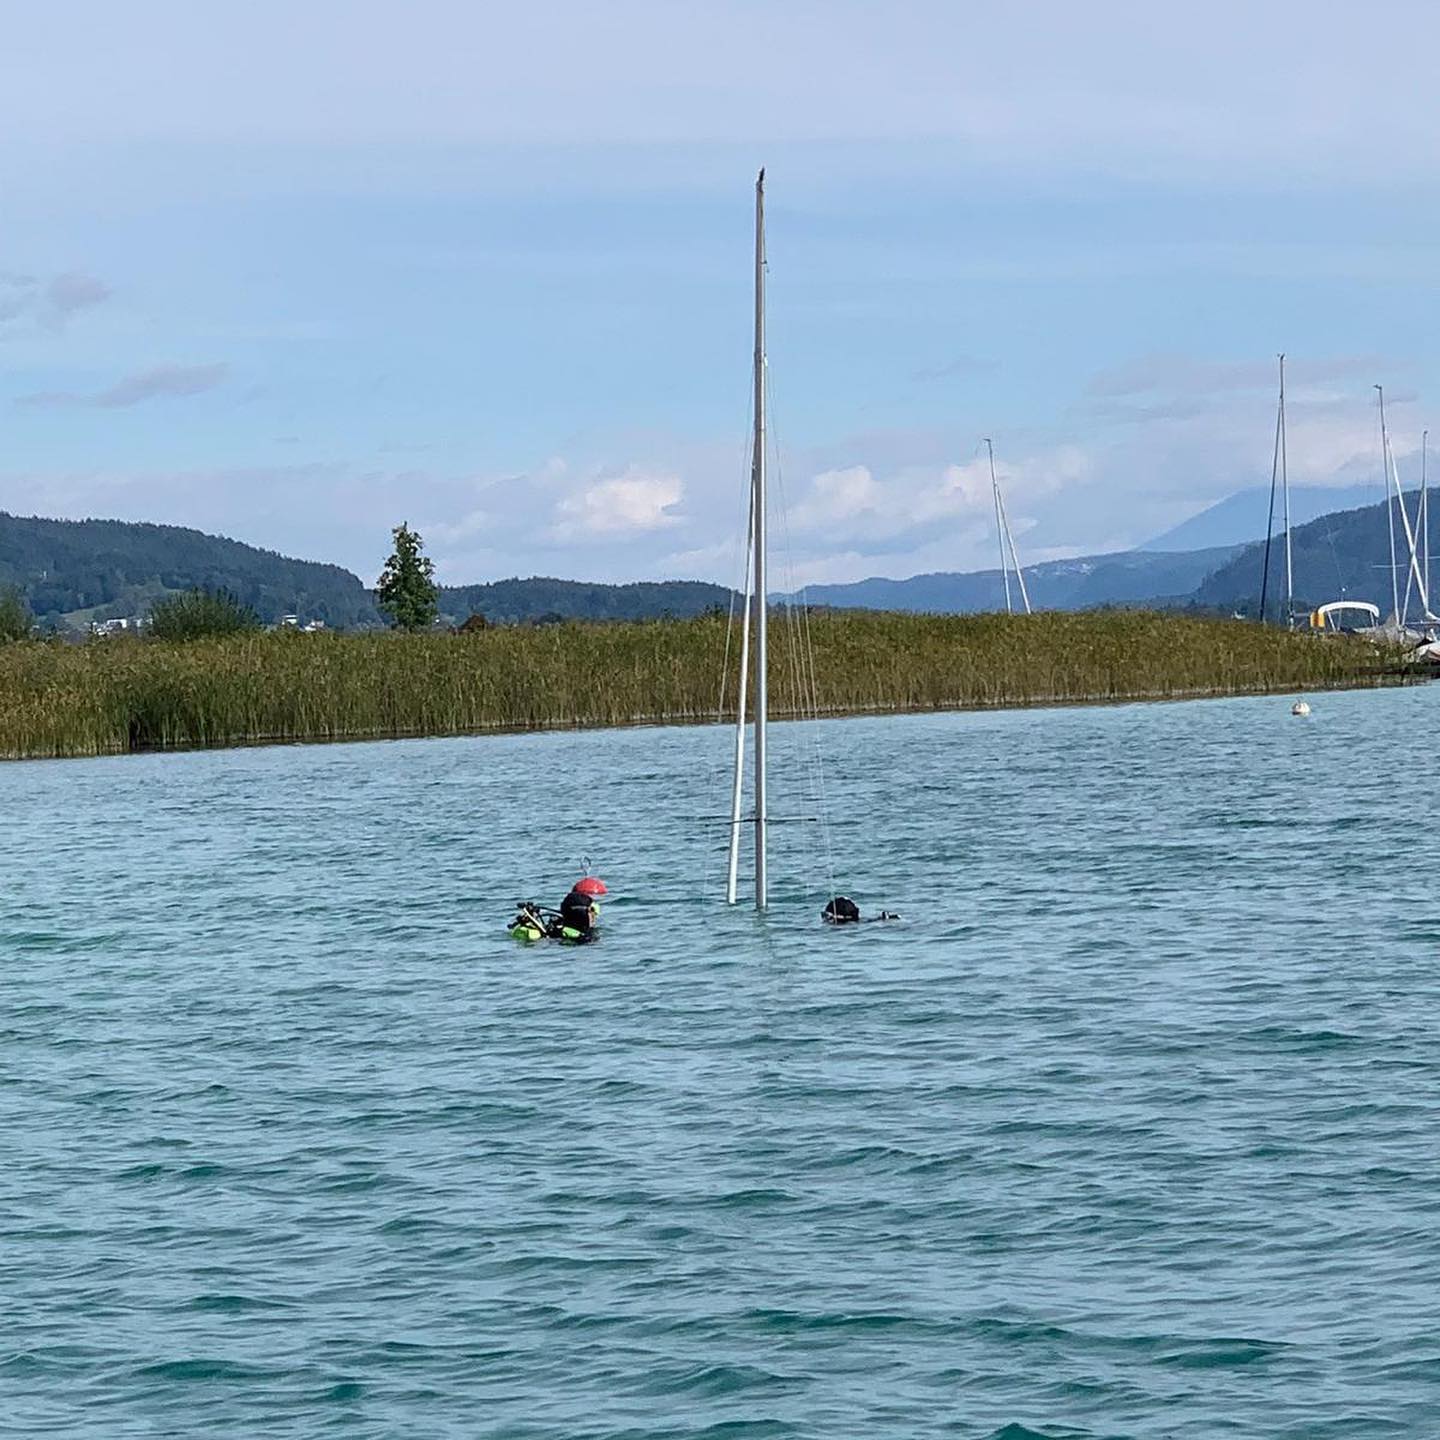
1389	508
1415	576
1285	486
1277	471
1002	530
1425	516
999	528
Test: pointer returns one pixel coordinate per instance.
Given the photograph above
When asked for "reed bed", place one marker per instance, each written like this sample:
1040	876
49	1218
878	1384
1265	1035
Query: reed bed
120	695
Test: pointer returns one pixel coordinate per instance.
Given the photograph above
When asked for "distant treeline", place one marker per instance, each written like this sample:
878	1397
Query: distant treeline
509	602
121	695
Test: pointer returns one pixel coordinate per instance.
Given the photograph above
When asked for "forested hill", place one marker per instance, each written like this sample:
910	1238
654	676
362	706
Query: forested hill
79	570
75	571
1344	556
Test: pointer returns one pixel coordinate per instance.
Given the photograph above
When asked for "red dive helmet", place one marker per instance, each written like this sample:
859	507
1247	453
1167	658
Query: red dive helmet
591	885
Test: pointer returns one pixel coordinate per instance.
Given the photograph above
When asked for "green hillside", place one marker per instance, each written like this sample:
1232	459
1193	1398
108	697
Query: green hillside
73	571
1344	556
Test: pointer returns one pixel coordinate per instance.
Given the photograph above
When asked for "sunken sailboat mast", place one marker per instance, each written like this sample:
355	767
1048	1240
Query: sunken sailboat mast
755	607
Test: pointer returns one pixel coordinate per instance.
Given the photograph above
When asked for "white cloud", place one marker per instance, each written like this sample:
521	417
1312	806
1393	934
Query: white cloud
628	504
916	506
891	504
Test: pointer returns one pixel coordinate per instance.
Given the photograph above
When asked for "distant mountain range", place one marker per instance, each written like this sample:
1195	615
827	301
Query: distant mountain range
76	571
1239	519
1129	577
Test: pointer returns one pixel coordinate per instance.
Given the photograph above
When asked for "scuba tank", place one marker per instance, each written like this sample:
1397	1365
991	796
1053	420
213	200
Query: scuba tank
529	924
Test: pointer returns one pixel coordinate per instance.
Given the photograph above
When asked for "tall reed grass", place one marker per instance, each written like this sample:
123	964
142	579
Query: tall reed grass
116	695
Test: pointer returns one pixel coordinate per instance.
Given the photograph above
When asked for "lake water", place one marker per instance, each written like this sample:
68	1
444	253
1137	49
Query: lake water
1131	1128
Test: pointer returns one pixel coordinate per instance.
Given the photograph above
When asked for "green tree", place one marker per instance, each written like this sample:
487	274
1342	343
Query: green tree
198	613
15	617
406	589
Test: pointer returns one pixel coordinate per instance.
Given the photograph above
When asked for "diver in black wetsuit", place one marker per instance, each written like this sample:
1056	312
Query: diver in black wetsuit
842	910
579	912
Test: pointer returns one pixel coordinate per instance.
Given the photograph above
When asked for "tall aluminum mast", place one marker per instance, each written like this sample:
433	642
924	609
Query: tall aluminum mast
758	522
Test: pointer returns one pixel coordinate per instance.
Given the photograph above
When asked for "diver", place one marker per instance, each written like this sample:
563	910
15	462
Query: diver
842	910
579	918
576	921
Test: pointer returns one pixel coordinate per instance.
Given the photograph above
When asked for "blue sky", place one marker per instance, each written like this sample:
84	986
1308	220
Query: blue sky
295	273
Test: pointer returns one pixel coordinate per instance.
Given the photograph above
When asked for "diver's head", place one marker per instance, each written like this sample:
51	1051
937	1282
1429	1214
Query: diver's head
840	910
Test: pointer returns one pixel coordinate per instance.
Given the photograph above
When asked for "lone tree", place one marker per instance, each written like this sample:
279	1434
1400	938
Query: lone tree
197	613
406	589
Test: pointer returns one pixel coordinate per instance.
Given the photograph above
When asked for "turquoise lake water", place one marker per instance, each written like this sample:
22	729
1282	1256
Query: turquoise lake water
1130	1129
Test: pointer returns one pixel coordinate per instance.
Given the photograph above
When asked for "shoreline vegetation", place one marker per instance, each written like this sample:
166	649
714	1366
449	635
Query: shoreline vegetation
119	696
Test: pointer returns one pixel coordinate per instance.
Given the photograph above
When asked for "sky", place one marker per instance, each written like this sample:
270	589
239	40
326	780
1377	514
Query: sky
295	273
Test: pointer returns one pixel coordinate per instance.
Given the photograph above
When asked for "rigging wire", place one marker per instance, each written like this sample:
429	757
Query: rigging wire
802	657
736	597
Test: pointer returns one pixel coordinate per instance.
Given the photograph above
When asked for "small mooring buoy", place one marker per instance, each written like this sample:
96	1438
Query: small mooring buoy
1300	707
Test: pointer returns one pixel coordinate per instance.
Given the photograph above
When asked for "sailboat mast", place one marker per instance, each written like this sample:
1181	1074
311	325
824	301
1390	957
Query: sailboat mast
1389	508
1425	512
1412	551
758	534
999	527
1285	486
1014	558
